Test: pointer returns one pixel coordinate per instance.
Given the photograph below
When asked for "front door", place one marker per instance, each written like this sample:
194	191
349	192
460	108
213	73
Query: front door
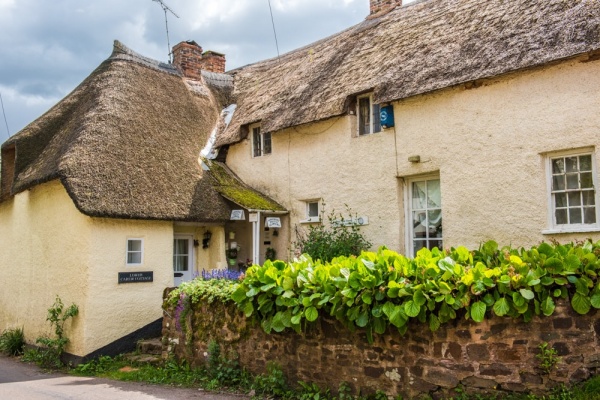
183	258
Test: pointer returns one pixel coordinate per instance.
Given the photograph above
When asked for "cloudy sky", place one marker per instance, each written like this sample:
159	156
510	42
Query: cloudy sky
48	47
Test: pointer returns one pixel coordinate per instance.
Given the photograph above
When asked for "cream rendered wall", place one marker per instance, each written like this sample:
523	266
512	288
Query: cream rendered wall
486	143
489	146
45	247
327	161
115	310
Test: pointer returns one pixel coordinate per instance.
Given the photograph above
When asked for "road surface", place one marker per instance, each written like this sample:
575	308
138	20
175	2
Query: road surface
21	381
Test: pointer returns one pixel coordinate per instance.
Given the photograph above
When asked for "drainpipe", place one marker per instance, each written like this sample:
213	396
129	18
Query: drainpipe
256	239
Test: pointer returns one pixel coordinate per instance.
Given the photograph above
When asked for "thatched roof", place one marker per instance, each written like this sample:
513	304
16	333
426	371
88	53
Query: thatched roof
125	143
411	50
232	188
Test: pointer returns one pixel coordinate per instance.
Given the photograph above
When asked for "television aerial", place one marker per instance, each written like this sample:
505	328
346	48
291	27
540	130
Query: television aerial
165	9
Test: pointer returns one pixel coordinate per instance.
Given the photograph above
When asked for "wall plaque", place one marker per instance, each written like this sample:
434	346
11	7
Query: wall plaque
136	277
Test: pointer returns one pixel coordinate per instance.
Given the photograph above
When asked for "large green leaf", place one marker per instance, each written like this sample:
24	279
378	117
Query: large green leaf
580	303
363	319
311	314
478	311
248	309
501	307
527	294
239	294
595	300
548	306
411	308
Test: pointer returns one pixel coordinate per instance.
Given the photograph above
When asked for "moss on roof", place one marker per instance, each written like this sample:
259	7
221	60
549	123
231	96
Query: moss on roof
232	188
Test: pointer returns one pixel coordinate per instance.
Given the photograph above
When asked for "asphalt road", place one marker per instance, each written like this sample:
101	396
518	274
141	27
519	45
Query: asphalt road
21	381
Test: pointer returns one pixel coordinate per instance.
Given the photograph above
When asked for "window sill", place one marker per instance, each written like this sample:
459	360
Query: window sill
310	221
573	229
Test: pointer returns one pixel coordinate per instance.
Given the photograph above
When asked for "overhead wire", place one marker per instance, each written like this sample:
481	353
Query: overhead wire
4	113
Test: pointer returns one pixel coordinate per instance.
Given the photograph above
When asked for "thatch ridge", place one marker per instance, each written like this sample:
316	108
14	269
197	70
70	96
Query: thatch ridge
412	50
125	144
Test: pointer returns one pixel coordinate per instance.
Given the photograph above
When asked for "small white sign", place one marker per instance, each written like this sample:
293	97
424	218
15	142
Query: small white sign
358	221
237	215
273	222
253	217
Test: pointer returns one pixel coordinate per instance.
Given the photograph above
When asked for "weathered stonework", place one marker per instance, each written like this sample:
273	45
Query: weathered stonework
462	353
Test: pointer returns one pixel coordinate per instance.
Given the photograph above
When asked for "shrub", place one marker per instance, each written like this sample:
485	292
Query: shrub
340	237
375	291
12	341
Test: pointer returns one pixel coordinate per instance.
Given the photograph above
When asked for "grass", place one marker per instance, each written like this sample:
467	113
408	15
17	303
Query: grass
12	341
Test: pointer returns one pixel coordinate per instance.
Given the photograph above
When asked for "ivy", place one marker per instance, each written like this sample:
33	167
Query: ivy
379	290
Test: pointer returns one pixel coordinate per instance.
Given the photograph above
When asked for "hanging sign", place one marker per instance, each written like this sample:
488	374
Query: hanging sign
273	222
237	215
253	217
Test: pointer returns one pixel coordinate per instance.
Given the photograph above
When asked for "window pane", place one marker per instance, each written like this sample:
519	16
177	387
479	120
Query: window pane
561	216
575	215
560	199
589	215
589	198
435	243
376	118
585	163
435	223
574	199
558	166
558	182
418	245
434	194
571	164
180	263
134	258
364	116
134	245
256	142
419	224
419	197
313	209
181	246
586	180
267	143
572	181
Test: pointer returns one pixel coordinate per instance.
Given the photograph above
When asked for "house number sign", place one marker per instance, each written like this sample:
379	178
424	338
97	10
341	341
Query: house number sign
136	277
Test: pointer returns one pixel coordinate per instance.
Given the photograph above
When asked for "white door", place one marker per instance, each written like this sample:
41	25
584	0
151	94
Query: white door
424	215
183	258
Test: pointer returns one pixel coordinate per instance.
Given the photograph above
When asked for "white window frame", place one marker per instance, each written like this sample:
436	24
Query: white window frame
127	252
374	122
312	218
409	228
553	227
255	130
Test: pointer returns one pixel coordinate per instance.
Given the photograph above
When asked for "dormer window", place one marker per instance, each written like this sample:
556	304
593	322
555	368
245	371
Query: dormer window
368	115
261	142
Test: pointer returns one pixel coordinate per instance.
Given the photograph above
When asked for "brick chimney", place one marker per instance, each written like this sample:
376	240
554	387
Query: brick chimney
383	5
190	60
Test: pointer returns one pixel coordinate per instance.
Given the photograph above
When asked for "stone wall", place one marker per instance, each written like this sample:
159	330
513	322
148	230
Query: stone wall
495	355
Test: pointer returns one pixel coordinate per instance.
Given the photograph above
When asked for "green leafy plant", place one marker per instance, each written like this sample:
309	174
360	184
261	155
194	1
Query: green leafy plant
272	383
340	237
270	254
548	357
49	353
12	341
224	370
377	291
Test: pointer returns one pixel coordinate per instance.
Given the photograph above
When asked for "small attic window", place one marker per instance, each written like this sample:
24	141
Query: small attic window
8	171
261	142
368	115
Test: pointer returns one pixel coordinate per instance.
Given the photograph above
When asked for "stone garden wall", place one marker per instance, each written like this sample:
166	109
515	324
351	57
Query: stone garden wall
496	355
